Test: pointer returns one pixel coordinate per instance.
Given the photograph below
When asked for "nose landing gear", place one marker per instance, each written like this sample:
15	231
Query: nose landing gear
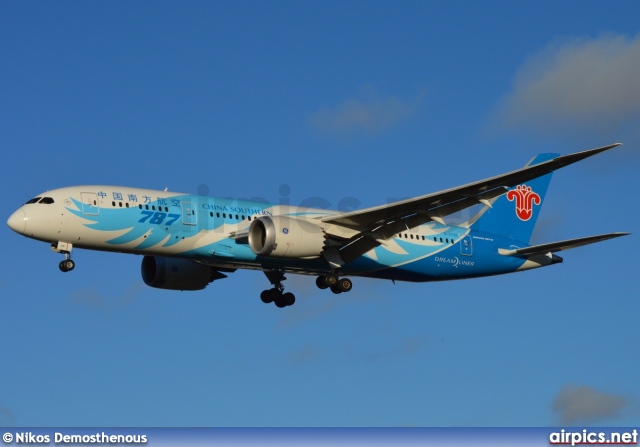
65	248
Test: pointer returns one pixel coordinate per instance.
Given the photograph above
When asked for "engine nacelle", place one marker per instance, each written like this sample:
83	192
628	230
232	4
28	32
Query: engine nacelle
177	274
286	237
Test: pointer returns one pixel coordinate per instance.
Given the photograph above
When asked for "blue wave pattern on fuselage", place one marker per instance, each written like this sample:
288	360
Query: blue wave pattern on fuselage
389	262
120	219
420	249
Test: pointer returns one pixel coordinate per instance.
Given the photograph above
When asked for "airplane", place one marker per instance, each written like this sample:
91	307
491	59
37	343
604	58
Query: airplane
188	241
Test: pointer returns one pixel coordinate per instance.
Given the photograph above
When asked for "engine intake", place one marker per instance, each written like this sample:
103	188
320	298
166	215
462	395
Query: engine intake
286	237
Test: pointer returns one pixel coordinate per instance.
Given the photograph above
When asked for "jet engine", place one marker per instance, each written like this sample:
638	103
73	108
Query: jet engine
177	274
286	237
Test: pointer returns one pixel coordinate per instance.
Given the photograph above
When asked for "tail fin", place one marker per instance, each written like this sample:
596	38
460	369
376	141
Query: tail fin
515	213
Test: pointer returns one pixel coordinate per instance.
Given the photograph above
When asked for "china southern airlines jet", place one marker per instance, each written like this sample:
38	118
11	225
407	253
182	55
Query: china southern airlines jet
189	241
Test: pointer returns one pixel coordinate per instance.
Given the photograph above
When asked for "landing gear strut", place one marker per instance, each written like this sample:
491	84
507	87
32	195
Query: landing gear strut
331	281
65	248
277	295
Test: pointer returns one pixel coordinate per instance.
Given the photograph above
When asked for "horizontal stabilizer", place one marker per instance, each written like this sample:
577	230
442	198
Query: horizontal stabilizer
558	246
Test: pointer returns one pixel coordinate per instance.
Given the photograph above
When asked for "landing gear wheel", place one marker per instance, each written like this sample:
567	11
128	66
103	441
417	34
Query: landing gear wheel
67	265
265	296
289	299
321	282
331	280
274	295
345	284
335	289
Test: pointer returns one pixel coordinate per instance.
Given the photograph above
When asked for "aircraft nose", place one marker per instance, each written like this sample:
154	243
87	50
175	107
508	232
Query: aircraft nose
18	221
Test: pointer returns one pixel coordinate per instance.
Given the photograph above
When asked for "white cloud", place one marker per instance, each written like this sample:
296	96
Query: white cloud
584	404
582	84
370	115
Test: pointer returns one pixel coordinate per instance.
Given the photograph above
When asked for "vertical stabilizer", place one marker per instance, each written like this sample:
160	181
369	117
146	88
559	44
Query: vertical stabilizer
515	213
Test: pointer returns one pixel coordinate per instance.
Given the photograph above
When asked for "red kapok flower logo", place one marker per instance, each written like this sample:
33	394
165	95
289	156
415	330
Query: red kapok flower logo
525	198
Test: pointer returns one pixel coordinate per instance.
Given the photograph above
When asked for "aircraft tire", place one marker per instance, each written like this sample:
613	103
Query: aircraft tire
67	265
321	282
335	289
289	299
275	294
265	296
331	280
345	284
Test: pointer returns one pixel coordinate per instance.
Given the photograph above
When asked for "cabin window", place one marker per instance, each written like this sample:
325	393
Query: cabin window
243	217
412	236
249	217
224	215
217	214
126	204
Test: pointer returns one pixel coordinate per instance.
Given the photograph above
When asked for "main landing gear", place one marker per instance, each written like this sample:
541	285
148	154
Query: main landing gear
65	248
281	299
277	295
331	281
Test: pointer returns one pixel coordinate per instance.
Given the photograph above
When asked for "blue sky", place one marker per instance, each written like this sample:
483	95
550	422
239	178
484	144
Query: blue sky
341	104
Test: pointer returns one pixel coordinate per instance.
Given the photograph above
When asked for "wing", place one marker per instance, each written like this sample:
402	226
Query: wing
372	226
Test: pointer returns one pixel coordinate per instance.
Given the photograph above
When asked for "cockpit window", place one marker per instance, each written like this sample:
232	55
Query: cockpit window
45	200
